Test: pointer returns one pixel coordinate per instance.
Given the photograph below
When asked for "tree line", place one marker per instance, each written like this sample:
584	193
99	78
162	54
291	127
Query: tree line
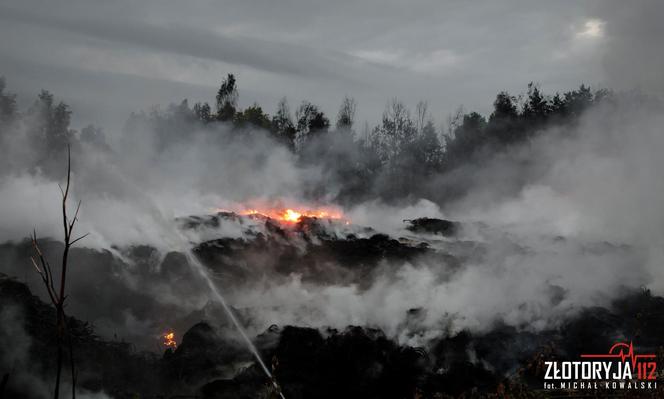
388	160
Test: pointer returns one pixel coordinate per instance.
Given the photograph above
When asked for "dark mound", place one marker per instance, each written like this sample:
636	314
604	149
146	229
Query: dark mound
442	227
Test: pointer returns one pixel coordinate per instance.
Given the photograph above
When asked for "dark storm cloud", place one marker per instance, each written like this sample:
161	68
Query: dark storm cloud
635	56
188	40
450	53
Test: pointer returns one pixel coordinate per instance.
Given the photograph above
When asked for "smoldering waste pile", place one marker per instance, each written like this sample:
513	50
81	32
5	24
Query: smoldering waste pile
308	361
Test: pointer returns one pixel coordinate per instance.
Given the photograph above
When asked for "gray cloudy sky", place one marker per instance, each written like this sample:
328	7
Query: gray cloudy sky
108	58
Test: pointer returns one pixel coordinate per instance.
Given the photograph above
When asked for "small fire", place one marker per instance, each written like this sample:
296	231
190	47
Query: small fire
289	215
169	340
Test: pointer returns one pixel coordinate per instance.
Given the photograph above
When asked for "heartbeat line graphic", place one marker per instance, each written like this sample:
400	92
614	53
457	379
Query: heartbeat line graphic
617	351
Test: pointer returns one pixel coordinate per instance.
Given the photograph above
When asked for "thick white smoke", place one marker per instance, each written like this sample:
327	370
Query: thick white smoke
585	227
586	230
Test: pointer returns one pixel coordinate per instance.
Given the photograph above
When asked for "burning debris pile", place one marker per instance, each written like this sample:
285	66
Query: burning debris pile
554	228
288	215
207	359
357	362
319	249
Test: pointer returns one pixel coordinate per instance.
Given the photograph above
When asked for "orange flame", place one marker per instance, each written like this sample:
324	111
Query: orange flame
169	340
289	215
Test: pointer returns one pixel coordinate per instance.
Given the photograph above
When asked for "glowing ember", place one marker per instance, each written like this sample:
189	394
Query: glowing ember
289	215
169	340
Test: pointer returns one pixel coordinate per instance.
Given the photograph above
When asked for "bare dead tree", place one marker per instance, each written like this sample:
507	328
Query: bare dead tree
422	111
58	295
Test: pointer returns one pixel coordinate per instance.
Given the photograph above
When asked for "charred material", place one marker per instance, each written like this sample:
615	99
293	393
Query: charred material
317	258
442	227
358	362
114	367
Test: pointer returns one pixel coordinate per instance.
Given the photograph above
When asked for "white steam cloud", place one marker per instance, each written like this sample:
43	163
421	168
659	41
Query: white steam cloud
587	225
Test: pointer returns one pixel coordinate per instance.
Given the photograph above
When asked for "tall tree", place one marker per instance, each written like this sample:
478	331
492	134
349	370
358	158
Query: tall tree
252	116
422	115
7	103
310	121
430	148
203	112
579	100
49	125
227	96
346	115
503	122
536	108
466	140
426	149
396	131
282	124
504	107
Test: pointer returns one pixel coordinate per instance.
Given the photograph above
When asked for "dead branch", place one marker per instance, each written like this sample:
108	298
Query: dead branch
58	296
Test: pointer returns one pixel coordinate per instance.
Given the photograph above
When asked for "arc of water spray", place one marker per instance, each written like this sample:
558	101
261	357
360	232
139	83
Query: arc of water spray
220	298
176	239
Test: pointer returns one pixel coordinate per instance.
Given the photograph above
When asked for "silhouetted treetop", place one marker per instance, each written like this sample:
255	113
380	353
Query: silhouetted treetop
7	103
282	124
227	96
389	160
252	116
346	115
310	121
